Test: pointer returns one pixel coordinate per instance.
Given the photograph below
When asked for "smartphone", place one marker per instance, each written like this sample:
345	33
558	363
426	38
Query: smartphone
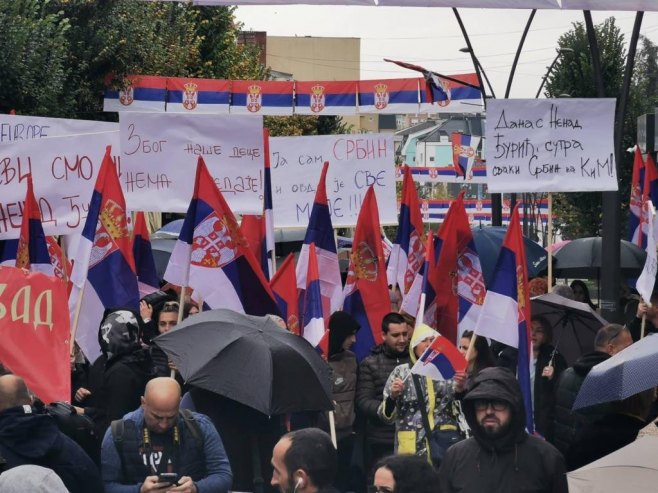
168	477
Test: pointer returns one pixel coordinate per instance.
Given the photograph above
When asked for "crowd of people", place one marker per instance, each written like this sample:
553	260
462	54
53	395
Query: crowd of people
135	426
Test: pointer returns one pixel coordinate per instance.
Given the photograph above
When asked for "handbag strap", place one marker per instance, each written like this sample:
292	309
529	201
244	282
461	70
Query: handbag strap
420	398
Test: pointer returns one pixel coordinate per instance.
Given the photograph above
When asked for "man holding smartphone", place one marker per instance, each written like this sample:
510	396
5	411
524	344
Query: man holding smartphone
159	449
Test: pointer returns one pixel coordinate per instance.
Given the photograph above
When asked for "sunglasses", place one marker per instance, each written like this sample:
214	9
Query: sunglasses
496	405
380	489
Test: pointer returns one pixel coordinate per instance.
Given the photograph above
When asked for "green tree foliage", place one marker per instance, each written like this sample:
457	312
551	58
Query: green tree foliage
579	214
74	47
297	125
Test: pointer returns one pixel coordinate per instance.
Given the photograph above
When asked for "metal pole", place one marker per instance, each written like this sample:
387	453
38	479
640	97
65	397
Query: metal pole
518	53
476	64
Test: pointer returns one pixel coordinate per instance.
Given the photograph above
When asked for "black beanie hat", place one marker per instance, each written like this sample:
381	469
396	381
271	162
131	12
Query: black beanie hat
341	326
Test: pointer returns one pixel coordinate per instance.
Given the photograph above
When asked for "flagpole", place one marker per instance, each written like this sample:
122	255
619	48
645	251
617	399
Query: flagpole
76	317
550	241
64	263
332	428
421	310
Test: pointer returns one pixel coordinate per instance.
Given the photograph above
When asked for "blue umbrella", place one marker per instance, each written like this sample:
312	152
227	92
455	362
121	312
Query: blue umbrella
630	371
488	241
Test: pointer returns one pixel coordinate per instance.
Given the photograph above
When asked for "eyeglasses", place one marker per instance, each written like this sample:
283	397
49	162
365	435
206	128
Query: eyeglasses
380	489
496	404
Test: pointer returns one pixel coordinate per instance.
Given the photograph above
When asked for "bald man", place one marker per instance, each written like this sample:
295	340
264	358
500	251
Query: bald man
159	449
28	437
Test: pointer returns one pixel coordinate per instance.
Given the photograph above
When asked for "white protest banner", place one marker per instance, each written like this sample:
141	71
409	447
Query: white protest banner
632	5
550	145
355	162
15	128
159	154
64	171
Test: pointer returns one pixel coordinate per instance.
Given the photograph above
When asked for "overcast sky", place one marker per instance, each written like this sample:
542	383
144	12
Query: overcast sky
431	37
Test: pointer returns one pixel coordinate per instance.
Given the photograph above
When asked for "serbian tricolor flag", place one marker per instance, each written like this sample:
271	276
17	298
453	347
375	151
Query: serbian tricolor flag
252	228
262	97
456	94
103	269
408	251
425	286
440	361
137	93
212	258
320	232
61	265
328	97
268	211
198	95
635	205
313	319
505	314
464	148
147	275
388	95
649	193
366	290
284	287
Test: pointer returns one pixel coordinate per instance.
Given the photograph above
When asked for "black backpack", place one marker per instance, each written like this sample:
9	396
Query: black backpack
79	427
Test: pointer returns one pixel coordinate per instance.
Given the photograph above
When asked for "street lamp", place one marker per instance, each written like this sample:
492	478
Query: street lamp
560	52
478	66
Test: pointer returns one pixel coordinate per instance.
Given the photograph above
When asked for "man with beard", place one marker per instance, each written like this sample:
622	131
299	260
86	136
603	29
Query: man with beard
500	456
304	461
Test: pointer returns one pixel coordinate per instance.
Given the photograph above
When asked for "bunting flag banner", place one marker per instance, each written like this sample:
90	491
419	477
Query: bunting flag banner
408	251
31	247
211	255
103	269
198	95
647	279
137	93
36	337
388	96
268	211
61	265
320	232
445	174
366	290
284	287
635	204
147	276
464	150
314	321
505	315
262	97
649	193
440	361
252	228
328	97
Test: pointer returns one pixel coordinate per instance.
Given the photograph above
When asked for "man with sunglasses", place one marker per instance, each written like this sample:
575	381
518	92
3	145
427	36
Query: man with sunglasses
500	456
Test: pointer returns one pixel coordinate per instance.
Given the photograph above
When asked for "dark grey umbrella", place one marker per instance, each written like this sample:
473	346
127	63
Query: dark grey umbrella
162	248
574	324
630	371
250	360
581	258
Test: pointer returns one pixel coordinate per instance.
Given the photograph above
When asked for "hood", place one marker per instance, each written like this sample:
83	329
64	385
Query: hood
341	326
27	434
586	362
421	333
118	333
497	383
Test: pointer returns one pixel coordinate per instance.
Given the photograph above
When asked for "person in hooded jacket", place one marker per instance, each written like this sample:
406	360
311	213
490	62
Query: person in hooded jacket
401	403
117	377
500	456
27	437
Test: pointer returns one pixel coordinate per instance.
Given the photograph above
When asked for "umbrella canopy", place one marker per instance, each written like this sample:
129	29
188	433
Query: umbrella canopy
250	360
581	258
574	324
632	469
628	372
488	241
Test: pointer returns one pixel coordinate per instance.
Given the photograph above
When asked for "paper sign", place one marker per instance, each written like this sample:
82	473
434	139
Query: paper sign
159	154
355	162
550	145
64	171
19	128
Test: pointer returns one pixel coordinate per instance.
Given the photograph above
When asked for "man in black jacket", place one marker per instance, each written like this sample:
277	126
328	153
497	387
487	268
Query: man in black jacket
373	373
609	340
500	457
30	438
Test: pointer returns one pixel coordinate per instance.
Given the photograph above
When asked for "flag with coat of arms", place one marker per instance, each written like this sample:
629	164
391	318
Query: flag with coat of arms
464	151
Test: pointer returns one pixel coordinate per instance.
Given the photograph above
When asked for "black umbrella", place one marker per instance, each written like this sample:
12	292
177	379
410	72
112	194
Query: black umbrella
250	360
574	324
581	258
489	240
